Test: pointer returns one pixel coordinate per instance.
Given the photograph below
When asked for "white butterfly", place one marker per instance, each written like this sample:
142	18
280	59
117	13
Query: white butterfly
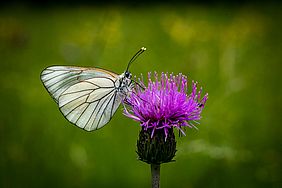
87	97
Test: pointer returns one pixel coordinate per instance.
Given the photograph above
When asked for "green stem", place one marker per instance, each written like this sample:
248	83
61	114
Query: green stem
155	171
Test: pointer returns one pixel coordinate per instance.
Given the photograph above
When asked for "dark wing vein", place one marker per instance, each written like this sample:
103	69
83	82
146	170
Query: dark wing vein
82	113
102	77
73	109
113	103
73	92
104	110
44	74
91	114
65	72
70	80
84	102
75	99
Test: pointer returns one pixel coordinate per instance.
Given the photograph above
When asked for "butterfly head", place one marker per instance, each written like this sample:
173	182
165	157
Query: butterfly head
127	74
124	81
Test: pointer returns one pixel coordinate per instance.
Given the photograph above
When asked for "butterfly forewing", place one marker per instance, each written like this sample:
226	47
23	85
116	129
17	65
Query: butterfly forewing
88	98
57	79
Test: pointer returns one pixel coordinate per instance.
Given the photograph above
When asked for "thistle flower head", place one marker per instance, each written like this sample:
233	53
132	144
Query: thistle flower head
165	103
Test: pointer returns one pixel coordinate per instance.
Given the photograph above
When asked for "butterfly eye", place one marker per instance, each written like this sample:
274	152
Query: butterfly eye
127	74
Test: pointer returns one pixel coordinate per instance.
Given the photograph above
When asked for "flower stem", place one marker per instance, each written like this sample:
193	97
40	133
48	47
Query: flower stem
155	171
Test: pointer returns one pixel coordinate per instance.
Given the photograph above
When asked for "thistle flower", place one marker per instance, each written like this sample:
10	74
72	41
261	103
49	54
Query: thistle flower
165	103
159	107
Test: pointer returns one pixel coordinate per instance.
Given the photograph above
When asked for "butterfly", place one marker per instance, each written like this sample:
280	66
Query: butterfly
88	97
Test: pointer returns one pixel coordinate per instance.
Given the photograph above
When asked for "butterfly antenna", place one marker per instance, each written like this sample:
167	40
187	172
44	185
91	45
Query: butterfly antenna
135	56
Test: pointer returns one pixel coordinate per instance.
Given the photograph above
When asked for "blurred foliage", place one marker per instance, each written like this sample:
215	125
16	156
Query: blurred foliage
233	52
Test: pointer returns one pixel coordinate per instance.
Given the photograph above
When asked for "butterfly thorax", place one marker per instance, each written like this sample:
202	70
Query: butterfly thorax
124	83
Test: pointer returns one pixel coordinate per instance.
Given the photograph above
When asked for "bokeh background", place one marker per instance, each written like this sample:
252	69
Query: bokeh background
232	49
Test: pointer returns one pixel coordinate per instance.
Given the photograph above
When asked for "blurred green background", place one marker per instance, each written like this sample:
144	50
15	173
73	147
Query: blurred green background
234	52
